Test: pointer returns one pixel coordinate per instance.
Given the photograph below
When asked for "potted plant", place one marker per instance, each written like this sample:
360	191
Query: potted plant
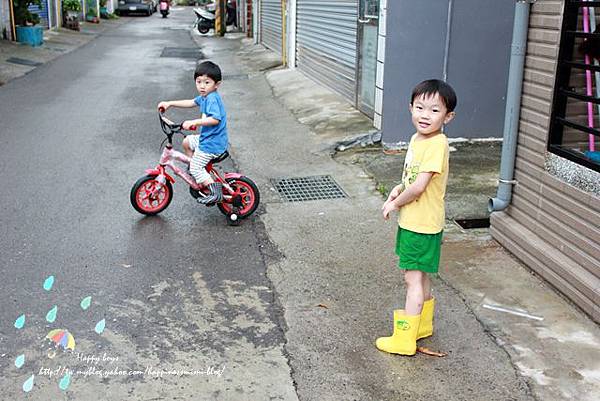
27	31
92	16
71	9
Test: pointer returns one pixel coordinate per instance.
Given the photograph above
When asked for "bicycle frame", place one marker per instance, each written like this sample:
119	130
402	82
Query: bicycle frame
167	160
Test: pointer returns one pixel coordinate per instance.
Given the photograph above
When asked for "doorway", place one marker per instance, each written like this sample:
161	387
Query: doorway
368	24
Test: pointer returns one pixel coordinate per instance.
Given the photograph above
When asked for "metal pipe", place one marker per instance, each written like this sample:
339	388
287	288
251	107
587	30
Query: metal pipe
513	105
447	44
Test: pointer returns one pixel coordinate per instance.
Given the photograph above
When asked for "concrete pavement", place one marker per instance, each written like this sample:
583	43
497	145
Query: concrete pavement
508	335
17	59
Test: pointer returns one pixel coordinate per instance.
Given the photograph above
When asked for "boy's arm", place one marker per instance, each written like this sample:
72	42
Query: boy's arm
185	104
202	122
410	193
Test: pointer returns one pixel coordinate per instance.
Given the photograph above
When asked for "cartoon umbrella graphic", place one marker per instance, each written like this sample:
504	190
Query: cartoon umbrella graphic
63	338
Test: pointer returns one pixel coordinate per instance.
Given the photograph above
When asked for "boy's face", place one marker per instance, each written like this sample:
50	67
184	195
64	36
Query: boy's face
429	114
206	85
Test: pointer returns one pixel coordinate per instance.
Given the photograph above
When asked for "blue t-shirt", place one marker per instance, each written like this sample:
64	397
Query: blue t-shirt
213	139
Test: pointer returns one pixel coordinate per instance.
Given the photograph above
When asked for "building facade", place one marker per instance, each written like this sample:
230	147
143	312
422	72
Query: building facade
465	43
553	221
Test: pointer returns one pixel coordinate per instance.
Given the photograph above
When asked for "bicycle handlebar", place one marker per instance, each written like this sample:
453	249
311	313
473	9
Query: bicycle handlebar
168	126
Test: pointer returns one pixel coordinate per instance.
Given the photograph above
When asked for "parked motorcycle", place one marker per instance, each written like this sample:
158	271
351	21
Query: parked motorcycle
205	20
164	8
205	17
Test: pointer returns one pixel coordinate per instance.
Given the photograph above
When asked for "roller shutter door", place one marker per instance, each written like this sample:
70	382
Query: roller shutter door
42	12
326	36
270	24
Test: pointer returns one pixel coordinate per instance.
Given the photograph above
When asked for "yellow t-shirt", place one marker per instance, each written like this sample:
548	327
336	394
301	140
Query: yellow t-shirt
426	215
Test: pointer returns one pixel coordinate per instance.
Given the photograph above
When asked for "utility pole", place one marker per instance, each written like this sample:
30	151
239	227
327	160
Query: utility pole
221	18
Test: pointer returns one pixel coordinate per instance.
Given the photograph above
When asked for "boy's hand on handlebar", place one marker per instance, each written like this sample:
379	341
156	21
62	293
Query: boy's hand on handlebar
163	106
188	125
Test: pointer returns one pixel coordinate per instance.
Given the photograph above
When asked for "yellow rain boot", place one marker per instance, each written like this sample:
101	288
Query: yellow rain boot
404	339
426	324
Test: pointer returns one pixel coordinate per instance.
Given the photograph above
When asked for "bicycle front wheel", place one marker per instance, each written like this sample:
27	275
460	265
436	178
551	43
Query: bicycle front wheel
150	197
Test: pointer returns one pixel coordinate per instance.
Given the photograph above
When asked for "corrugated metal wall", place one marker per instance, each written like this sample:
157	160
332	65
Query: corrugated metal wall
554	228
326	43
270	24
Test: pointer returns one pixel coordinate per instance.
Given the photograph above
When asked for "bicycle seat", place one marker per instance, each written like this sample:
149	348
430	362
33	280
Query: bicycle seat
220	158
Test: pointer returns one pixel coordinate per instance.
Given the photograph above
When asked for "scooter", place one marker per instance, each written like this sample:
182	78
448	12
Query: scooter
164	8
205	17
205	20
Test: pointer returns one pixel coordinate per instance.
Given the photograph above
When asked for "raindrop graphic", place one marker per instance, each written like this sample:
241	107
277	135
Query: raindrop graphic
48	283
64	382
100	326
20	361
28	385
86	302
20	322
51	354
51	315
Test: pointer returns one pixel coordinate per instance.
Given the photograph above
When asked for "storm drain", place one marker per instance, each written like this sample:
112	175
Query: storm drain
473	223
23	61
182	52
301	189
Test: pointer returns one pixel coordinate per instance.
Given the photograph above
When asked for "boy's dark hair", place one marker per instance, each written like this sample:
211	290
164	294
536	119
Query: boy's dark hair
209	69
433	86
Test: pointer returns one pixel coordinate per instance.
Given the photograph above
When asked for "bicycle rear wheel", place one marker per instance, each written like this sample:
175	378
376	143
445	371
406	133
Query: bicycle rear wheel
249	194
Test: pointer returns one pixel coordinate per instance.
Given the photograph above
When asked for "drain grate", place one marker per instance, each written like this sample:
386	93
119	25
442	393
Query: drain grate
182	52
308	188
23	61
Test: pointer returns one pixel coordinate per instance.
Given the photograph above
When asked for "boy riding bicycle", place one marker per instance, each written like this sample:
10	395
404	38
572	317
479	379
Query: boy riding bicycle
212	140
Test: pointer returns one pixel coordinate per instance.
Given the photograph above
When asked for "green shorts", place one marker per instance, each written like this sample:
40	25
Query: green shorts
418	251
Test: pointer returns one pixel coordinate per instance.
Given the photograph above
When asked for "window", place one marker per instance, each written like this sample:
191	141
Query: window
575	119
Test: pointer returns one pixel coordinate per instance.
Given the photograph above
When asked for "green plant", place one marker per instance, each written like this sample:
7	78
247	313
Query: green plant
72	5
382	189
23	16
92	12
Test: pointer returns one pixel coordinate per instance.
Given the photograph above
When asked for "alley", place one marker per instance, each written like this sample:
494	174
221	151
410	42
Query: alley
285	306
180	291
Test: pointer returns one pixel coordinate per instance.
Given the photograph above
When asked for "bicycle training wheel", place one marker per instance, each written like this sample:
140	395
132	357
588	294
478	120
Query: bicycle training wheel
248	191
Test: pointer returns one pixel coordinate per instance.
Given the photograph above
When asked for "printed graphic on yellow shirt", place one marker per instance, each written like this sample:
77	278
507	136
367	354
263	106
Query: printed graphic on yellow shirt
410	172
426	214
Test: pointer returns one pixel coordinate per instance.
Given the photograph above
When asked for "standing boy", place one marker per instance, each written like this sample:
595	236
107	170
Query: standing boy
420	199
212	141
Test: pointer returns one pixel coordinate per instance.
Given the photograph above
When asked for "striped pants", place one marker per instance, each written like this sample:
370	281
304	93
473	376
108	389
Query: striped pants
198	165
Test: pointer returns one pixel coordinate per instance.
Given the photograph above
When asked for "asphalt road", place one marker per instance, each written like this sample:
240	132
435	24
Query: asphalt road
180	291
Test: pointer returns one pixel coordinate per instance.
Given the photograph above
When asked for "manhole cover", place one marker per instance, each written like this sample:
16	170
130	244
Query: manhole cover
308	188
23	61
182	52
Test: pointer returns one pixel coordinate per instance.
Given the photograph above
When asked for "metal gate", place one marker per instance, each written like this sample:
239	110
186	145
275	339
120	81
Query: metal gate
270	24
326	36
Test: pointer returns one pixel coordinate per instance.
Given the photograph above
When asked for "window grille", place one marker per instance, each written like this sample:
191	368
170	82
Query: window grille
575	118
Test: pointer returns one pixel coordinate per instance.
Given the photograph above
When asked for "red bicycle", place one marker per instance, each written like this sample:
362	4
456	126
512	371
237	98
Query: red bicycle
152	193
